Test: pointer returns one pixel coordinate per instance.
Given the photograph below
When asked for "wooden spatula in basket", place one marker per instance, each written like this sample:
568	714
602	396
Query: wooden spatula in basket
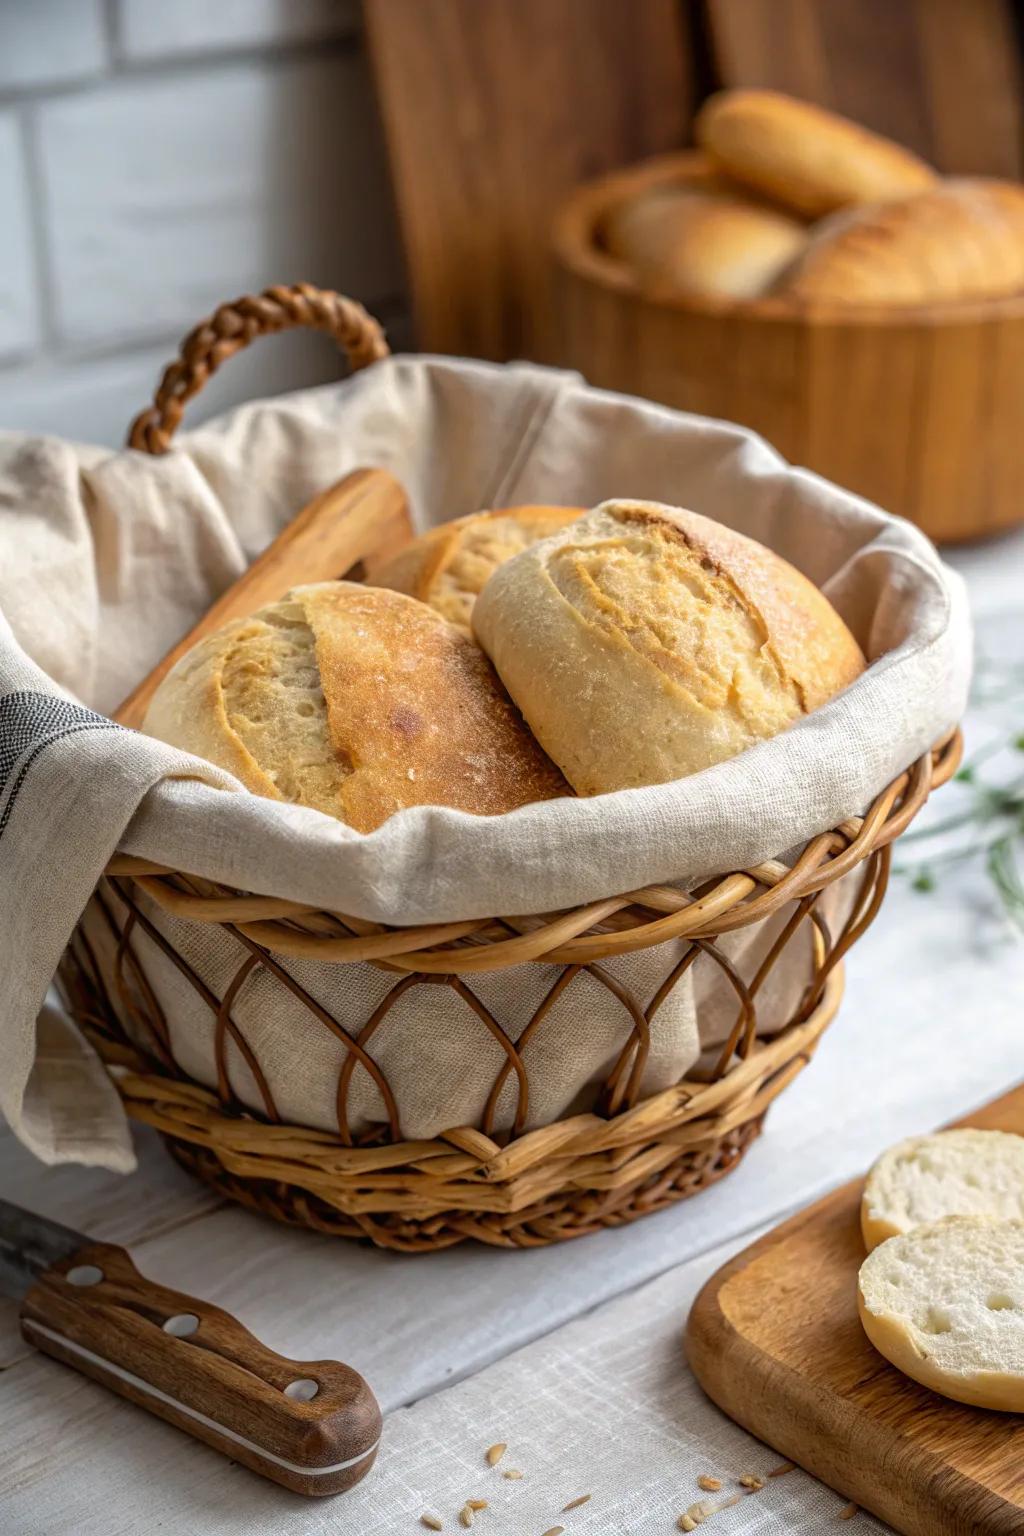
358	522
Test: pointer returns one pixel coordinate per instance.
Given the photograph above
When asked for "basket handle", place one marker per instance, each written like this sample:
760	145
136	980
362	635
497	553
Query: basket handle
232	327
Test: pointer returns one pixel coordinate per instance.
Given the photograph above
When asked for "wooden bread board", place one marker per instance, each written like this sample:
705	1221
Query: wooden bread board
774	1340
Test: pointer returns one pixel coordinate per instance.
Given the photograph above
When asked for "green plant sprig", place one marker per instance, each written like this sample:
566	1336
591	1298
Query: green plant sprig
991	824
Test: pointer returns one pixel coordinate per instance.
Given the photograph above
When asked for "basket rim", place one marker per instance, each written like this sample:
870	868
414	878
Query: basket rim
575	246
593	931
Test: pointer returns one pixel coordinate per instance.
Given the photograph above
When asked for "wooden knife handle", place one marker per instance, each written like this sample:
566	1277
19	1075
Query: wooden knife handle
361	520
312	1426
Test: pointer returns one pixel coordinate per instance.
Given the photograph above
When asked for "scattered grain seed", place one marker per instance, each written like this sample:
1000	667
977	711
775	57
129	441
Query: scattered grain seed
431	1522
686	1523
555	1530
749	1480
728	1503
466	1516
513	1474
476	1503
584	1498
782	1469
709	1484
495	1453
849	1512
699	1512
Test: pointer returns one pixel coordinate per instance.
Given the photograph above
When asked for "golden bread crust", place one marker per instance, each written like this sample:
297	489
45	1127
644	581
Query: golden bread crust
448	566
647	643
806	158
704	242
358	702
962	240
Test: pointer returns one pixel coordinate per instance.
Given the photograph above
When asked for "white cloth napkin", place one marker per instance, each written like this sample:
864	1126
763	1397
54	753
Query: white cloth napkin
107	558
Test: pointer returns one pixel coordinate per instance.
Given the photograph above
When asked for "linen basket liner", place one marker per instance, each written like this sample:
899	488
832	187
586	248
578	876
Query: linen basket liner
110	557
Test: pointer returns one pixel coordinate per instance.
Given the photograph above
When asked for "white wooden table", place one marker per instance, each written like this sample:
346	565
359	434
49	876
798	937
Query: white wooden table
570	1354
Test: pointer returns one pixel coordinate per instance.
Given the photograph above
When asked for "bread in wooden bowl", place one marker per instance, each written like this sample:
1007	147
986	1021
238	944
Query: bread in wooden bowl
952	1173
944	1303
645	643
357	702
448	566
962	239
704	242
805	158
899	404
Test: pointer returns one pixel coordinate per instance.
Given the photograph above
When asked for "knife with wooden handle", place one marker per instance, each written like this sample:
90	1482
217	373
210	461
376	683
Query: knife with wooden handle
312	1425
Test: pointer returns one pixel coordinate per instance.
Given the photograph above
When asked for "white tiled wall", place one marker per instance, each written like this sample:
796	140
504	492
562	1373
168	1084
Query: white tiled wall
156	158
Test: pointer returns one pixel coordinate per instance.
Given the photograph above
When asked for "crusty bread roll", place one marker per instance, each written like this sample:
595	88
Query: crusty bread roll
704	242
954	1173
804	157
963	239
945	1304
447	566
645	643
357	702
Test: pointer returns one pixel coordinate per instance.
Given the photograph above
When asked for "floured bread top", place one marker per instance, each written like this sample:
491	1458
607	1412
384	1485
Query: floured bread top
448	566
645	643
356	702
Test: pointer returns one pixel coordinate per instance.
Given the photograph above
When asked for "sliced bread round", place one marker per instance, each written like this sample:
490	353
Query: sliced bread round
953	1173
945	1304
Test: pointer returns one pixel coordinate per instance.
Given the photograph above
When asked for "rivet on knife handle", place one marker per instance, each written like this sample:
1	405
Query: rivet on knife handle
313	1426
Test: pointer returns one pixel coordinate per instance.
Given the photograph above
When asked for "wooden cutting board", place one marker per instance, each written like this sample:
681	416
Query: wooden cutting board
774	1340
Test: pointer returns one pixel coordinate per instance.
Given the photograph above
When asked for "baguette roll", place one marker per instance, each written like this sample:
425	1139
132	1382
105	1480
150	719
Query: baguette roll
807	159
693	242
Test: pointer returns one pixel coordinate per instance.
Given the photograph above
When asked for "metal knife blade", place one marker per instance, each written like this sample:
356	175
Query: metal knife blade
30	1245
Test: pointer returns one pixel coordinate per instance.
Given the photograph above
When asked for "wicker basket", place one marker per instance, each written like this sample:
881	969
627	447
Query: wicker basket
915	408
517	1188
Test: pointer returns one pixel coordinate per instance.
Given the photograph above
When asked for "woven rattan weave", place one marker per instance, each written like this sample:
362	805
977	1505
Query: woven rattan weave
513	1188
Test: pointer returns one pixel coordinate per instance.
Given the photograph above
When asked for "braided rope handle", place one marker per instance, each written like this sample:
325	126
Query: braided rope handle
232	327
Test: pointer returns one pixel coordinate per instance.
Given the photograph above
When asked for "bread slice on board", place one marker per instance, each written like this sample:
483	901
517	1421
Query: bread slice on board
945	1305
953	1173
809	160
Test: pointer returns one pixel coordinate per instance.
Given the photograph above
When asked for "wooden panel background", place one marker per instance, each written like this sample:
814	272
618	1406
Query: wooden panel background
493	110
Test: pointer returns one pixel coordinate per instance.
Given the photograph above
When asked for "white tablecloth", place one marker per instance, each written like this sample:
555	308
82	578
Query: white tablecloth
572	1354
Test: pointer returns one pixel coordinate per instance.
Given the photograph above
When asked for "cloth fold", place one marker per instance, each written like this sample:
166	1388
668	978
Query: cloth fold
109	557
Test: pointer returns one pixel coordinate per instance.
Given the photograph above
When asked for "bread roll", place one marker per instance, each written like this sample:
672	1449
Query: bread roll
356	702
955	1173
962	240
704	243
645	643
945	1304
447	566
809	160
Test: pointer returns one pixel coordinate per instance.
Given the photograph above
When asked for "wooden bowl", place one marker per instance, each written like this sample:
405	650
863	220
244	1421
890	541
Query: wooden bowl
918	409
